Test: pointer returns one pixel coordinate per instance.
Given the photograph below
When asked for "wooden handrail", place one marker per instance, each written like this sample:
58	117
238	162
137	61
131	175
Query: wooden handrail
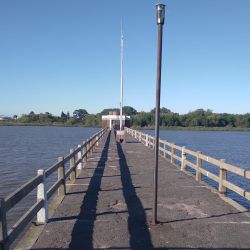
20	193
181	158
8	237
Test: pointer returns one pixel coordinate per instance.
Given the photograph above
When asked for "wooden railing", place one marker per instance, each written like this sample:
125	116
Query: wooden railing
178	154
40	208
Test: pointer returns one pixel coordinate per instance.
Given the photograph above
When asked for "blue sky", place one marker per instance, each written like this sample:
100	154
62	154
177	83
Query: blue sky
64	55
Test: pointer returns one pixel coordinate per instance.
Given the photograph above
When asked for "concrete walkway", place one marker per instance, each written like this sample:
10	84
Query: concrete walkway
109	207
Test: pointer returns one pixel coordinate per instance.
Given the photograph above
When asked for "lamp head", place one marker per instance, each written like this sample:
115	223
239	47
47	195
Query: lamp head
160	11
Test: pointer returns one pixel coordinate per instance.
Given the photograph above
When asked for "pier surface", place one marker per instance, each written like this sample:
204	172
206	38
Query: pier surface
109	207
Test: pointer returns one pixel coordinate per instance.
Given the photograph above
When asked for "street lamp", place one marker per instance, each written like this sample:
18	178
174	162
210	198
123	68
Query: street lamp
160	9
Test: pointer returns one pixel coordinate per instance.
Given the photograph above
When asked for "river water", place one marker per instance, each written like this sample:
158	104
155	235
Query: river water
233	146
24	150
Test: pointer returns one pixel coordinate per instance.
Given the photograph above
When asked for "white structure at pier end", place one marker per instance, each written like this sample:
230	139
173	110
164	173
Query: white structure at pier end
112	121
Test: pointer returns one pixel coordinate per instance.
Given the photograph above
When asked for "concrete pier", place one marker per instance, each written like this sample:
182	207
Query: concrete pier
109	207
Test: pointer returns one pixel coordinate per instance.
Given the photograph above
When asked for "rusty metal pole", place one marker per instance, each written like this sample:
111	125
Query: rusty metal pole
160	8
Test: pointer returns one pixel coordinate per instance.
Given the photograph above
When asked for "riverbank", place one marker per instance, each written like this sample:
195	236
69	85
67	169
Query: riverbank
177	128
195	128
54	124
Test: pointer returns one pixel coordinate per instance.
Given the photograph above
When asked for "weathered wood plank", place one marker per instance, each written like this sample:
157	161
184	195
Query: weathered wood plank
247	174
209	174
210	160
234	169
72	165
222	176
17	229
190	152
54	188
247	195
190	164
234	188
198	166
52	169
21	192
177	147
177	157
61	176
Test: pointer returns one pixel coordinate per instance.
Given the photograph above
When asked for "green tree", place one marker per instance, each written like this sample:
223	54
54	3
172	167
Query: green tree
80	114
128	110
162	110
64	117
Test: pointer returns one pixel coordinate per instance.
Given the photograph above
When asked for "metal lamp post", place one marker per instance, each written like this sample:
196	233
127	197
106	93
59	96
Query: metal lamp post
160	8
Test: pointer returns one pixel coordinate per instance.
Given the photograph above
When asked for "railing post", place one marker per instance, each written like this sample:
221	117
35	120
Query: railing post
61	176
93	144
79	156
97	139
165	150
72	166
183	158
222	177
90	145
84	153
42	215
146	140
140	136
172	153
3	226
198	166
87	147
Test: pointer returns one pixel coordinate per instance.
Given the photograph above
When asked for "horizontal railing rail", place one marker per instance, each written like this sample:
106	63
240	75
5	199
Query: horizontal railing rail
200	158
40	208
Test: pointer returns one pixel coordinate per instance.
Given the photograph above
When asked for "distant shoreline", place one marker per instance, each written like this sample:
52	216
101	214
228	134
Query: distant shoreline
197	128
5	123
43	125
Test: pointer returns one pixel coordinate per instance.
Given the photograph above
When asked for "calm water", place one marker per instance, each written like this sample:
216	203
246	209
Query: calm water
232	146
24	150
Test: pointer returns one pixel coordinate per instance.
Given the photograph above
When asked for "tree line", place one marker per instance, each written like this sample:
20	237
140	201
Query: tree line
197	118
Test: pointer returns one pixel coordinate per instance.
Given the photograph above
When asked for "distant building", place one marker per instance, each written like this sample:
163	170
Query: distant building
112	120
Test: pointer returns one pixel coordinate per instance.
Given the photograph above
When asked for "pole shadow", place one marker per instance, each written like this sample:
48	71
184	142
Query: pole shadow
140	237
82	233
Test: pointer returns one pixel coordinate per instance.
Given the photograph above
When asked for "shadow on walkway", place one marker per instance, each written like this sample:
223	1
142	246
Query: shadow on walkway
140	237
82	233
157	248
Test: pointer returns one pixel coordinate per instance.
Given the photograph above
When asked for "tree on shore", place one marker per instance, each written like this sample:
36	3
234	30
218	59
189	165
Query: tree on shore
196	118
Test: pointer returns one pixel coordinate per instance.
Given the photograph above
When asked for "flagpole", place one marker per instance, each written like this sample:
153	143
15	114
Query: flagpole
121	100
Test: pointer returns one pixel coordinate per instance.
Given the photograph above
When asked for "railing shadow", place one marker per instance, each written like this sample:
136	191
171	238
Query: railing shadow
82	233
204	218
140	237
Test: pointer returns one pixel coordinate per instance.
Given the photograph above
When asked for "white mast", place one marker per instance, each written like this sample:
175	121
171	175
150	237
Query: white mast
121	100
